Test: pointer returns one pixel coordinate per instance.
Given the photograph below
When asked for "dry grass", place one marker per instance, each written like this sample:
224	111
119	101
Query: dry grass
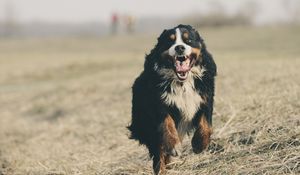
65	104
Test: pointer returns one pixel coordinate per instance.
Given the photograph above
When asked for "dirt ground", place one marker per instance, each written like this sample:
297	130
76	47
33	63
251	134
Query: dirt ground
66	102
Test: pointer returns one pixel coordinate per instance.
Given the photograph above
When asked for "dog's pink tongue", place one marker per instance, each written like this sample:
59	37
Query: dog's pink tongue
182	66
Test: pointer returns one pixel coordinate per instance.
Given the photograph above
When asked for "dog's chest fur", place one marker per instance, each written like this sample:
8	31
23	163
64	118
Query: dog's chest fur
185	97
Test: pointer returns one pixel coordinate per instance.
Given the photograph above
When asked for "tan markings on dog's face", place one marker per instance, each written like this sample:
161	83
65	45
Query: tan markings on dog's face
185	35
196	52
179	42
172	37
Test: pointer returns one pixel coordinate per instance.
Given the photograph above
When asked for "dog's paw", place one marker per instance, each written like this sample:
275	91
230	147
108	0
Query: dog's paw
198	145
176	151
198	150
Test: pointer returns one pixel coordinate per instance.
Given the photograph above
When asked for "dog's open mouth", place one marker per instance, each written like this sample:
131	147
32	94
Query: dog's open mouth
183	64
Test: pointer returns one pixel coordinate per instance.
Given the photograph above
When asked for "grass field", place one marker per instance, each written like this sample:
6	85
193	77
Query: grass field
65	104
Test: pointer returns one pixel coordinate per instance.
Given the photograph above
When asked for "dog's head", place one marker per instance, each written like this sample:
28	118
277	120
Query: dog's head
177	54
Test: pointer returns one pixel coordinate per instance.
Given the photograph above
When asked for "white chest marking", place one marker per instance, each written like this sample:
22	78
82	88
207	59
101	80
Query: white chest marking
187	100
184	97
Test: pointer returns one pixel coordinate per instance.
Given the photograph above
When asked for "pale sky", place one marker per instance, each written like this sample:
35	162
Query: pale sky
95	10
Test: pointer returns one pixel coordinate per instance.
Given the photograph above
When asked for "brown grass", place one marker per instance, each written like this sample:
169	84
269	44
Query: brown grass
65	104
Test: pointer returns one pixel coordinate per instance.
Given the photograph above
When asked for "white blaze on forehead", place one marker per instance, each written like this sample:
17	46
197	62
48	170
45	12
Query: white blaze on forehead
179	41
178	37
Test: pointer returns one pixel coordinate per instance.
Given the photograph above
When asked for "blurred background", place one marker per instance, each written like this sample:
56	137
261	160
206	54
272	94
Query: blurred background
67	67
101	18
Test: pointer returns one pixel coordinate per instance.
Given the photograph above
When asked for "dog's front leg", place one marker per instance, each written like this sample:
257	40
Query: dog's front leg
201	138
159	161
169	145
170	139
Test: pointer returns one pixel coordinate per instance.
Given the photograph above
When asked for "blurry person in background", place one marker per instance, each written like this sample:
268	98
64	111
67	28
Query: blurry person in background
130	23
114	23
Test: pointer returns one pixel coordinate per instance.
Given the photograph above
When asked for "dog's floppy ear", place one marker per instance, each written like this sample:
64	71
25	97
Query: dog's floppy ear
207	60
198	37
149	63
162	35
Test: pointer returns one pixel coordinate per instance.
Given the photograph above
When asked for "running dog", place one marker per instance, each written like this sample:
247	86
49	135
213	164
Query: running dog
174	96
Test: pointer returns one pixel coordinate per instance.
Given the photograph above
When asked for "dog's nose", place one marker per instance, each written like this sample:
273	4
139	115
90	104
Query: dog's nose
180	49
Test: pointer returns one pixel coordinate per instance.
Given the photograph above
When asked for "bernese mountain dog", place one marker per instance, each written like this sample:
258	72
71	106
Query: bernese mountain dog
173	96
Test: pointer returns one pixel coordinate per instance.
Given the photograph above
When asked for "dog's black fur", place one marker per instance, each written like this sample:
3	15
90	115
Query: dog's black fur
149	110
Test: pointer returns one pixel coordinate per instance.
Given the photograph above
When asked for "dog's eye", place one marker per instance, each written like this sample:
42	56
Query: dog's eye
185	35
172	37
188	41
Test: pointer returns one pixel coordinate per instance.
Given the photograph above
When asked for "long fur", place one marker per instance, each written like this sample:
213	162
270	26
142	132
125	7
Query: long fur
157	94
